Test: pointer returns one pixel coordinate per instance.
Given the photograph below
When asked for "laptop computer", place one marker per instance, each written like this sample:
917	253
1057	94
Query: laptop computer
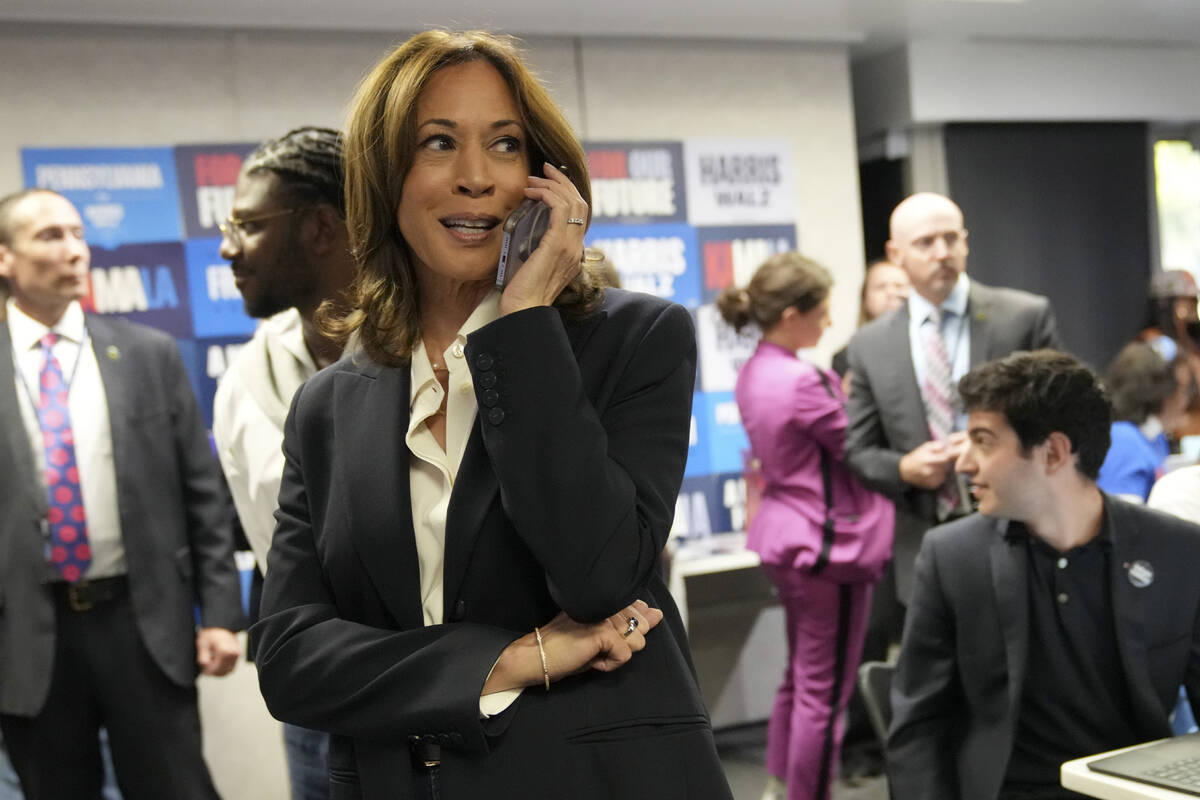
1171	763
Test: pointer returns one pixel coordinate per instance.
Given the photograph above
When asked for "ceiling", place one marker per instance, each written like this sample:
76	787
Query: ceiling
867	25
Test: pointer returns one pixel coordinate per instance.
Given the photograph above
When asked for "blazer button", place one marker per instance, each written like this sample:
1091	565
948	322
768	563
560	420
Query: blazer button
490	397
487	380
484	361
496	416
460	611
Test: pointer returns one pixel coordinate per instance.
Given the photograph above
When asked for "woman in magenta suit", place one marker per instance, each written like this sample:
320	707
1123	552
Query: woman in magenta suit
794	417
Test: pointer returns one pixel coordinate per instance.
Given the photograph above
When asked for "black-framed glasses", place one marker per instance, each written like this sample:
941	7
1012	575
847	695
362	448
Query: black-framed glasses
234	227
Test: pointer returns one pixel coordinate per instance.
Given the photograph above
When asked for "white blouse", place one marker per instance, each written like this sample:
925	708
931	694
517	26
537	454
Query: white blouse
432	471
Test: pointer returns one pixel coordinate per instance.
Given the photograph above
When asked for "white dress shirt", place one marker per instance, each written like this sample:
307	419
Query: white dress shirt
88	407
249	410
432	470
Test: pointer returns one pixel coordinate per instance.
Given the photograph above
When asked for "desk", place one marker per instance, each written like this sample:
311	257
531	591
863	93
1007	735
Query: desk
1076	776
735	626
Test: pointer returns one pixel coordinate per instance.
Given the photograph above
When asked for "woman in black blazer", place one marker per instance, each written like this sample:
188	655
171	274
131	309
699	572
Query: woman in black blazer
462	585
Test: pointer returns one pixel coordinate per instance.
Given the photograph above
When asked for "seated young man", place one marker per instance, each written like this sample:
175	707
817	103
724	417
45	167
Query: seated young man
1055	623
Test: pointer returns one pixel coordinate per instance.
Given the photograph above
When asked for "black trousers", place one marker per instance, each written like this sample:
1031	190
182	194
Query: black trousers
104	676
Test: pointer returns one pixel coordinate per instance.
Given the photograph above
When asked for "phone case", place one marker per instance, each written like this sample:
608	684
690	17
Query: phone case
523	231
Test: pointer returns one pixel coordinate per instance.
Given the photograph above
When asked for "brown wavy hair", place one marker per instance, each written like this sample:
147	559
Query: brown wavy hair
784	280
380	141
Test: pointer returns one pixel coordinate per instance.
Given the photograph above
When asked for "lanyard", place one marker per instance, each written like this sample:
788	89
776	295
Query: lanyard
958	337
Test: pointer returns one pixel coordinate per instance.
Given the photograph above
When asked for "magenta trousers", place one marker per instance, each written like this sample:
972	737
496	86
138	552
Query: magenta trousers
826	623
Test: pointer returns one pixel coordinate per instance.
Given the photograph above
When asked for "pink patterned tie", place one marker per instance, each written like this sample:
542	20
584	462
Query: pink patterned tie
70	553
938	393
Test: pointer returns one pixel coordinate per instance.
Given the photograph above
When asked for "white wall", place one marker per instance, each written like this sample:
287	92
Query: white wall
75	86
933	82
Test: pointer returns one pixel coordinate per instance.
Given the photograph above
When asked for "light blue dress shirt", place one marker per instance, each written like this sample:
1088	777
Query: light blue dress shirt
956	330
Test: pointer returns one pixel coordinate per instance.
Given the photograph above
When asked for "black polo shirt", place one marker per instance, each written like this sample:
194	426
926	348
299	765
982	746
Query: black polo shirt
1075	700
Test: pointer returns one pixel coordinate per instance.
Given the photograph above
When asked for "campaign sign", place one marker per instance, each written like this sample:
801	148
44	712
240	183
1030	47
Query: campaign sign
739	181
637	182
145	283
656	259
124	195
723	430
698	456
710	504
723	350
206	361
217	308
207	174
730	255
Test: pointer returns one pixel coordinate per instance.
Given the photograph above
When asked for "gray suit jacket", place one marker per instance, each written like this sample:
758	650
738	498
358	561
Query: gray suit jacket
887	417
957	689
174	526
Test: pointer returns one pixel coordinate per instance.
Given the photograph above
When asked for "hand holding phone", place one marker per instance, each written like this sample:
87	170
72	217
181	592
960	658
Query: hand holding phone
523	231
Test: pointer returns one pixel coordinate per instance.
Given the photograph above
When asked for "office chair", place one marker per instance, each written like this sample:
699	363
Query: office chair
875	683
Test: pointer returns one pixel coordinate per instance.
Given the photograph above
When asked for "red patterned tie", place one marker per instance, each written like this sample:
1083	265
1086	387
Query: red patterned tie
70	553
938	394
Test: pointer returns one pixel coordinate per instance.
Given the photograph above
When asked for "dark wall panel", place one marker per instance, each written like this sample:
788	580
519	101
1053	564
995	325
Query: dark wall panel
1061	210
881	183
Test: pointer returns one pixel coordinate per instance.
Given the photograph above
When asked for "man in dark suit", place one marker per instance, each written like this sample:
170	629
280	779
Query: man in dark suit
1057	622
117	580
891	445
905	429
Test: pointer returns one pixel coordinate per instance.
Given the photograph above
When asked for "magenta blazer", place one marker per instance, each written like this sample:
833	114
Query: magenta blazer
790	417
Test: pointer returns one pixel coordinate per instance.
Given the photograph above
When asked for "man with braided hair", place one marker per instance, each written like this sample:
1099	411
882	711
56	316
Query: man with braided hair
286	241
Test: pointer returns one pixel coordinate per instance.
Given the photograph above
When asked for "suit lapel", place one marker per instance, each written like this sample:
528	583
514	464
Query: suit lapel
115	379
978	310
1129	614
899	353
20	480
374	459
475	490
1010	585
476	487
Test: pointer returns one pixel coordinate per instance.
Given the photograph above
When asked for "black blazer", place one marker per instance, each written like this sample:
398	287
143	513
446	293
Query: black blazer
563	500
957	688
174	522
887	416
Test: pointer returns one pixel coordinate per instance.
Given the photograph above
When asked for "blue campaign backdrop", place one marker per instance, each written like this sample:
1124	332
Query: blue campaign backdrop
151	216
659	259
206	361
216	302
207	174
731	254
125	195
145	283
637	182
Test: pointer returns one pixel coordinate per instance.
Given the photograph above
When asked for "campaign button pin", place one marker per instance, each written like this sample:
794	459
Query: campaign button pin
1141	574
112	352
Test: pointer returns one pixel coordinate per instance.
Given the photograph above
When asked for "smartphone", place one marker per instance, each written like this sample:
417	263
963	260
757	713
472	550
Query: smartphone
523	231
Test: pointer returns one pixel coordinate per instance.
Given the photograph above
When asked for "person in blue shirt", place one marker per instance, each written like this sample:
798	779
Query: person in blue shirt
1143	390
